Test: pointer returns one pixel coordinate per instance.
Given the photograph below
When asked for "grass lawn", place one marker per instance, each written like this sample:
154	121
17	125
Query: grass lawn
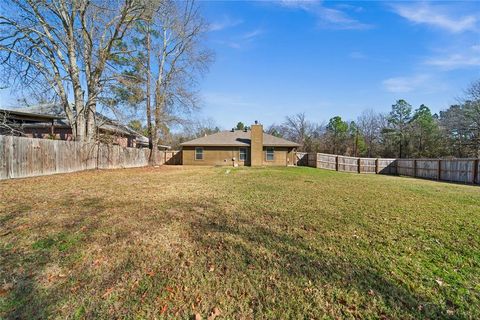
300	243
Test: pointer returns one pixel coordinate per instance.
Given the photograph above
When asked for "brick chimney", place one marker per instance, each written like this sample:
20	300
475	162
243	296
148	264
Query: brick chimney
256	147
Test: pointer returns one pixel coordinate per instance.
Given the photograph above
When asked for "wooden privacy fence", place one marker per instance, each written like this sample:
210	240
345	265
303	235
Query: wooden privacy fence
27	157
454	170
173	157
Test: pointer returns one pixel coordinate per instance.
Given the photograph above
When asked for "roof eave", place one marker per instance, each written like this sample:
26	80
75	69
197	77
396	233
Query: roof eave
282	145
212	145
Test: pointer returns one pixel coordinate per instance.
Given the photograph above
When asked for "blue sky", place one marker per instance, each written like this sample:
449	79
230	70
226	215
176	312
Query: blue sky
328	58
336	58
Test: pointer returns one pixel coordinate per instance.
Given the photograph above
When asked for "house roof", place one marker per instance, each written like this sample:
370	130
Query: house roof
238	138
53	111
20	114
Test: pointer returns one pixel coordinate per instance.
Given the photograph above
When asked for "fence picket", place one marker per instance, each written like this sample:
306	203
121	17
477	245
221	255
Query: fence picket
27	157
454	170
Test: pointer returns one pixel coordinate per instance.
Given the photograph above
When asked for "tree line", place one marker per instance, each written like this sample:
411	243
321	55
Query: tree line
146	57
404	132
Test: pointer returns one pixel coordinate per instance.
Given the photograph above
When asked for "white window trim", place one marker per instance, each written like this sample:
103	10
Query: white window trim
195	156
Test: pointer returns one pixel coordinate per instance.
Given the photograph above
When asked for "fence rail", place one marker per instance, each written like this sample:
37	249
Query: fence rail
454	170
27	157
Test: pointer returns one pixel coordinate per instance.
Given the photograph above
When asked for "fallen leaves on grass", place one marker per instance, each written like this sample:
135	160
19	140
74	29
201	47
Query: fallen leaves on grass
214	313
440	282
5	288
107	292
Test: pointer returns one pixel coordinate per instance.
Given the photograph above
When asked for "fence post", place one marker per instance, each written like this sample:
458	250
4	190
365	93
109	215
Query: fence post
415	168
475	171
359	169
439	173
376	166
336	163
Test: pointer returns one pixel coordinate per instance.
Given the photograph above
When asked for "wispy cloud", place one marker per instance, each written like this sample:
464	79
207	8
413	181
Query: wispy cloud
460	57
357	55
253	34
437	16
224	23
405	84
244	40
455	61
327	17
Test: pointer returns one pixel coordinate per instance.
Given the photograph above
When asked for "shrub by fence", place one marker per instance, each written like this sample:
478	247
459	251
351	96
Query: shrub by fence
27	157
454	170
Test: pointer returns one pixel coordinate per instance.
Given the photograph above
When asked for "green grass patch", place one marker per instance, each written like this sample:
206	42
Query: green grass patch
269	243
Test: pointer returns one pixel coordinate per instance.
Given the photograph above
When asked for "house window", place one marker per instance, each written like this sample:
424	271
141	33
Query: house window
243	154
270	154
199	153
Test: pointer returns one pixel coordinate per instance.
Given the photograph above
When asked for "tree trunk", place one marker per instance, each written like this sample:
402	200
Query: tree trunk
81	129
154	159
148	93
91	132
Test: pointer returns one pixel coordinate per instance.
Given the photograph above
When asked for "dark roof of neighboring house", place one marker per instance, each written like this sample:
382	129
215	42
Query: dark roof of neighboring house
53	111
238	138
20	114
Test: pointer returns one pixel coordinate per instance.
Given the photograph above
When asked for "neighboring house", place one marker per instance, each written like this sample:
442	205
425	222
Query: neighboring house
240	147
48	121
142	142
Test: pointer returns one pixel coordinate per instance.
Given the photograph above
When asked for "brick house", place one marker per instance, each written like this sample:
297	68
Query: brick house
251	147
48	121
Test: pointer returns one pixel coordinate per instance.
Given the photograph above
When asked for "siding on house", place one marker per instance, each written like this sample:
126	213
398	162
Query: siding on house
223	156
223	149
282	157
216	156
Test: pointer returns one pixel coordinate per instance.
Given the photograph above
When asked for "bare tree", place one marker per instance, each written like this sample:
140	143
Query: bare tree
297	128
461	124
192	129
370	124
162	72
179	55
65	46
8	127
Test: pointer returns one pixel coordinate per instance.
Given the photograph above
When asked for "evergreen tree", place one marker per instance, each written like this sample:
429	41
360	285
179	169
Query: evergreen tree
424	133
397	132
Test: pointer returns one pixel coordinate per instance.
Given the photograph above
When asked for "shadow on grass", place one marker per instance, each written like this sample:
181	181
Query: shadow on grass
91	222
299	263
234	239
28	300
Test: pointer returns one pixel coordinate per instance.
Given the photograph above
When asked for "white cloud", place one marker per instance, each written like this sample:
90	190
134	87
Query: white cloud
357	55
437	16
298	3
244	40
252	34
455	61
405	84
224	23
326	17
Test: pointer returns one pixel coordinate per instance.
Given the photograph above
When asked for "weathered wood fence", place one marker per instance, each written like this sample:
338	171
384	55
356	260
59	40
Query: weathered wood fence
173	157
27	157
454	170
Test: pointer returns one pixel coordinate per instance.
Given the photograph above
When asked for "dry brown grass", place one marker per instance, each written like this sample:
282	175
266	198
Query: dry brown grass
256	243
